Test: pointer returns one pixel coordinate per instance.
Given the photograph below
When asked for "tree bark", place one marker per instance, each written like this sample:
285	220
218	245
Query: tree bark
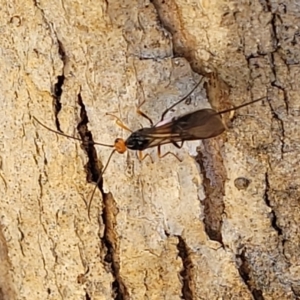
222	223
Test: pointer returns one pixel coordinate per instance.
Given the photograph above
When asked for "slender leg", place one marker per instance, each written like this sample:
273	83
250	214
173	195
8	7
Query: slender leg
225	125
228	120
143	114
142	156
161	156
178	146
119	122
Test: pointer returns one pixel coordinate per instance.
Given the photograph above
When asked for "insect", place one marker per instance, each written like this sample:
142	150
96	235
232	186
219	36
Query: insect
201	124
135	139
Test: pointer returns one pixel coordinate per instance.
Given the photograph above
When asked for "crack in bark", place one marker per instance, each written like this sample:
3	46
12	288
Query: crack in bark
87	296
56	280
285	94
213	185
92	168
56	99
245	273
184	46
296	291
282	131
43	258
276	16
169	17
111	242
272	62
110	238
22	236
186	273
39	199
275	115
268	8
57	92
268	203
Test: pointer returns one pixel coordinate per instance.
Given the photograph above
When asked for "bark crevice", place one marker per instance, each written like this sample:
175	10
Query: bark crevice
186	273
274	222
245	273
110	240
214	191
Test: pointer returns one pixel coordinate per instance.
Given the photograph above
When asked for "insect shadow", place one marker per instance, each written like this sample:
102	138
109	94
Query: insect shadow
198	125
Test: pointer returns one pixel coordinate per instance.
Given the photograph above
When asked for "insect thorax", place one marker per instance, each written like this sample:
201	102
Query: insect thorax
137	141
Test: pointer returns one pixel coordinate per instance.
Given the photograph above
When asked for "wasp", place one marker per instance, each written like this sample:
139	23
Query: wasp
198	125
138	140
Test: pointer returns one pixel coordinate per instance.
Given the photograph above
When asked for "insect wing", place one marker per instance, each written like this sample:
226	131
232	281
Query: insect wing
198	125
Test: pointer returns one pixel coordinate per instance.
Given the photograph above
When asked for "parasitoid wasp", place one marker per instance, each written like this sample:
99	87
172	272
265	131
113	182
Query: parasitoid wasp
201	124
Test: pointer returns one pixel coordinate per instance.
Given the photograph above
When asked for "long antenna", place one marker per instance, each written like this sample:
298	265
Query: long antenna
90	142
70	136
97	183
240	106
182	99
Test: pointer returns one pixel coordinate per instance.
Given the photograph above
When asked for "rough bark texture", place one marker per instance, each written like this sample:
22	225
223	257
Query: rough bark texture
221	224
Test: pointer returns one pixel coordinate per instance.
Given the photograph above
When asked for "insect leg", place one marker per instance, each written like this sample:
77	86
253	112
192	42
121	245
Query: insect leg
178	146
225	125
141	156
165	154
143	114
119	122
